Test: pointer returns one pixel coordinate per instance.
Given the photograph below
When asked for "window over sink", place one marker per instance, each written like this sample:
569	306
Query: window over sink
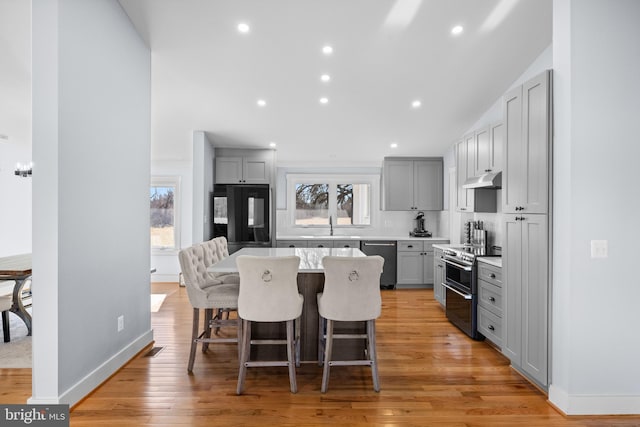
325	201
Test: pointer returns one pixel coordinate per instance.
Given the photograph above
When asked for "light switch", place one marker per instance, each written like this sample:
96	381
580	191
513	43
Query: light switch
599	249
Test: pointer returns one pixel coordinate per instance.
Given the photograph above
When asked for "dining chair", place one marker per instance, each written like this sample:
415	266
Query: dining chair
351	294
205	293
5	305
269	293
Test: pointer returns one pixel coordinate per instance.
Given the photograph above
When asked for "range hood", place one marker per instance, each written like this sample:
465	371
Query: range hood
487	180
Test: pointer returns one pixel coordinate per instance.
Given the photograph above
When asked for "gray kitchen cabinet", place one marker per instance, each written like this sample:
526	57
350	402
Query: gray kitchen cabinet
243	170
526	291
292	244
527	133
482	141
346	243
488	149
318	243
438	276
496	147
470	200
413	183
490	302
415	262
465	159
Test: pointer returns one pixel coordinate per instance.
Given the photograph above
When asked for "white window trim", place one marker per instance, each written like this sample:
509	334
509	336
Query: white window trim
332	180
166	180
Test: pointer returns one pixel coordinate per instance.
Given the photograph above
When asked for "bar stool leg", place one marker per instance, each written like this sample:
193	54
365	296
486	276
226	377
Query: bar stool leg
327	356
291	356
5	326
208	316
194	336
373	354
246	348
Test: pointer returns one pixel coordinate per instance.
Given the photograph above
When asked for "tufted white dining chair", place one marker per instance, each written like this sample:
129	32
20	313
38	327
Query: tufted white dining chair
209	294
269	293
351	293
5	305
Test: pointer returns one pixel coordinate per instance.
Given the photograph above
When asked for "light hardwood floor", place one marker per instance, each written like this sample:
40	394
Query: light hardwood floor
431	375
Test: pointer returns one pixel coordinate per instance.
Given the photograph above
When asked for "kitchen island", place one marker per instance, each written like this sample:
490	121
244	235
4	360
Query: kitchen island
310	283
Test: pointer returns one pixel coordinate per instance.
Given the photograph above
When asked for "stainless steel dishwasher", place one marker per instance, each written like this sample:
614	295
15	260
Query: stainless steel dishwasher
386	249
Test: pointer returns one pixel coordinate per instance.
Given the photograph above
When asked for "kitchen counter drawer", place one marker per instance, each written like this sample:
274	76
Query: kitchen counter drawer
490	326
490	273
346	244
292	244
410	246
490	297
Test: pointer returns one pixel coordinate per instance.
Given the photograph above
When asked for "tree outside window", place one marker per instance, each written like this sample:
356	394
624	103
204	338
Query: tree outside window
163	210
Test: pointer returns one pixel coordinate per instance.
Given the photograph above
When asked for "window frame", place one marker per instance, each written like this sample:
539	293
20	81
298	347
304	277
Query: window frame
168	181
332	180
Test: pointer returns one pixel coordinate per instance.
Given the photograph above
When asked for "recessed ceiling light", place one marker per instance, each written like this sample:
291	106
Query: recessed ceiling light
327	50
324	100
325	77
416	104
394	145
244	28
457	30
272	144
261	103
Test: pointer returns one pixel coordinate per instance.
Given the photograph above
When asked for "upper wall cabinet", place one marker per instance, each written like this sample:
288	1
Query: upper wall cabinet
474	146
488	149
525	181
412	184
243	170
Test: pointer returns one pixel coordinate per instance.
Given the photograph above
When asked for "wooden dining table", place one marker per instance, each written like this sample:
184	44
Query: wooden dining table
17	268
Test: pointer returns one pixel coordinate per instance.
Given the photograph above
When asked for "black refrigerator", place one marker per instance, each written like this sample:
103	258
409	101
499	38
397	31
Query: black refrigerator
241	214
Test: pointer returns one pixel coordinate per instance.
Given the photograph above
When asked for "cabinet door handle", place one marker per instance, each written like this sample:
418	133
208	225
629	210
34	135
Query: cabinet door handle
463	209
487	170
346	246
292	246
493	276
492	299
491	328
439	266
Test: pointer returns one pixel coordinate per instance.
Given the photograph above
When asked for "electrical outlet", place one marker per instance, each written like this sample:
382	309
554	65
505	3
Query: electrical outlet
599	249
120	323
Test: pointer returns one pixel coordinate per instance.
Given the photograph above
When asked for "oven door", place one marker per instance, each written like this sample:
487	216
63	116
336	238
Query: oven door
460	308
459	276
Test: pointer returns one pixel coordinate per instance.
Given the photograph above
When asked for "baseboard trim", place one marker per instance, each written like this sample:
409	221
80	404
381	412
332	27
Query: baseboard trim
90	382
164	278
593	404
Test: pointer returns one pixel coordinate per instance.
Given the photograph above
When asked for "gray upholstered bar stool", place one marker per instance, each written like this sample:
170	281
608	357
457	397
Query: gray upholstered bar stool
351	293
269	293
208	294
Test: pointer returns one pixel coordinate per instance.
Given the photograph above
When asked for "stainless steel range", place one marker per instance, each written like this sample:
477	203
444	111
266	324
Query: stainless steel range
462	288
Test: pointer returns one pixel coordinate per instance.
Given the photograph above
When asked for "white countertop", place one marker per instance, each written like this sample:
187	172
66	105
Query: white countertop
376	237
496	261
310	258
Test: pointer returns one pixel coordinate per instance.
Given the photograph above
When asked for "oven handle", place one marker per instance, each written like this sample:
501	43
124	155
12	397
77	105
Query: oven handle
465	296
460	266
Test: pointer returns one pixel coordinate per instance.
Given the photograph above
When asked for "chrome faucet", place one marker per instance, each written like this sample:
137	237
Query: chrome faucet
330	225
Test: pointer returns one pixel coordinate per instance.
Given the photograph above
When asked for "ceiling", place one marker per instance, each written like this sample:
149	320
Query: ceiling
387	53
208	76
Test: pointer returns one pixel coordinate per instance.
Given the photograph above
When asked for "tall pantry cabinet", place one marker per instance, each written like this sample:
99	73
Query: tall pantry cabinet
526	206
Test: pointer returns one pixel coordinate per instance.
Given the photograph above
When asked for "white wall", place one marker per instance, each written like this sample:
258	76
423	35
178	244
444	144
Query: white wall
91	145
596	148
203	161
15	208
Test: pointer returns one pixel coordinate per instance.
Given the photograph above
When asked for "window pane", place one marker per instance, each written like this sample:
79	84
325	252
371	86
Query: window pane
162	217
354	205
312	204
